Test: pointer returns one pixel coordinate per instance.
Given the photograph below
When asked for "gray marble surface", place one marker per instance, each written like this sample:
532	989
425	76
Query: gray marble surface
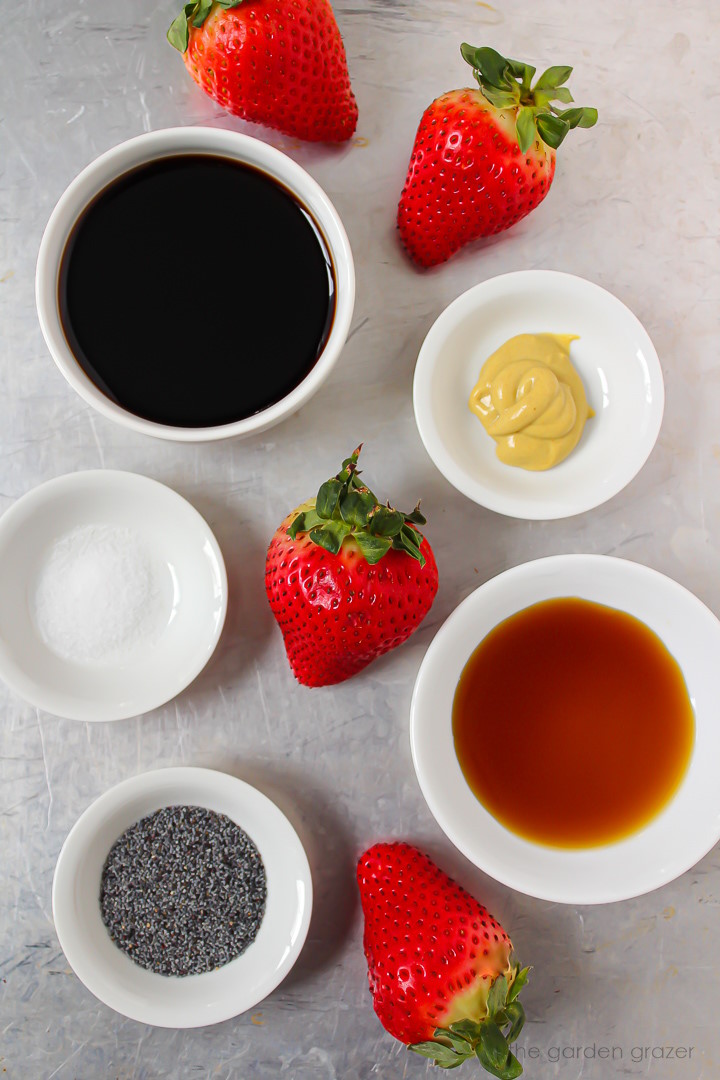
634	207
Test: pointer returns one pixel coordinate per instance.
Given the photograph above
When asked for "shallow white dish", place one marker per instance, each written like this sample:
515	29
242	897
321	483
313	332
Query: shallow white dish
614	356
195	1000
167	143
191	600
678	837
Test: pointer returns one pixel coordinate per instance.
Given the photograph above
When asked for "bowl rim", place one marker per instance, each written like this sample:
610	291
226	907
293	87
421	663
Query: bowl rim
448	319
15	518
173	142
612	891
98	812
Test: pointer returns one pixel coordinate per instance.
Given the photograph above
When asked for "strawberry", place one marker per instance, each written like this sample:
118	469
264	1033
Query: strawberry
440	967
347	579
276	62
483	159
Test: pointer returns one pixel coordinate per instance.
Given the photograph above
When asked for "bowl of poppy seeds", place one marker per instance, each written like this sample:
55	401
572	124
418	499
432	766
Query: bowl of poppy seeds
182	897
183	891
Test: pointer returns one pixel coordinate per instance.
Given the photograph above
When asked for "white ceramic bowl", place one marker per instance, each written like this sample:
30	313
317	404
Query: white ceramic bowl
166	143
190	602
195	1000
614	356
678	837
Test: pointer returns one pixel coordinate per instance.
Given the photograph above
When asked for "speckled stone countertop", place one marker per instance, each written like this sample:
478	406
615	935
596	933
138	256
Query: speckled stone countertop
634	207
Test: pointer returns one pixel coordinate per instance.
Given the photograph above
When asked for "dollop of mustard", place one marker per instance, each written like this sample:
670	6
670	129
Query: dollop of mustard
531	400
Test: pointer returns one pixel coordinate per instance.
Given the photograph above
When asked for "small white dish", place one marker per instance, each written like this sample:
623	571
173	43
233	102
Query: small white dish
191	596
194	1000
687	828
165	143
614	356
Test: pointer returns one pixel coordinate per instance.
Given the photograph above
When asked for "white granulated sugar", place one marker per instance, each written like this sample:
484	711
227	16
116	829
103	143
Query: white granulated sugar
97	597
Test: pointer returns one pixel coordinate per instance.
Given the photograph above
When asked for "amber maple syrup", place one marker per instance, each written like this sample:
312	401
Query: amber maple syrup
572	723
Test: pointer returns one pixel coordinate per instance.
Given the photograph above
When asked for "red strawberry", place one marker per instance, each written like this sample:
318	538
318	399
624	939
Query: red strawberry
485	158
347	579
440	967
276	62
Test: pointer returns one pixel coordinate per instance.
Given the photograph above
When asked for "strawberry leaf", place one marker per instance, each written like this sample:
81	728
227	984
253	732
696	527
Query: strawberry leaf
506	85
587	119
304	522
521	977
386	522
509	1071
468	54
352	509
494	1054
493	67
551	129
521	71
408	540
513	1068
425	1049
416	517
330	535
349	465
195	14
372	548
466	1029
356	506
516	1016
179	33
560	93
497	996
458	1042
584	118
411	535
328	497
553	77
405	541
444	1056
492	1049
201	12
525	128
501	99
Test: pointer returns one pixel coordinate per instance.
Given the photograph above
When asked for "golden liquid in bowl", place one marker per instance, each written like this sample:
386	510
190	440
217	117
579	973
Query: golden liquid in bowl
572	723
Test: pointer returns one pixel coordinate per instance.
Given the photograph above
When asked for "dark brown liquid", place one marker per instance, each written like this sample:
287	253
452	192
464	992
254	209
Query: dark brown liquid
572	723
196	291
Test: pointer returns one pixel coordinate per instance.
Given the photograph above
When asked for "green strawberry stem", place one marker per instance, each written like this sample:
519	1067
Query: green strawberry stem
488	1040
345	508
506	85
193	14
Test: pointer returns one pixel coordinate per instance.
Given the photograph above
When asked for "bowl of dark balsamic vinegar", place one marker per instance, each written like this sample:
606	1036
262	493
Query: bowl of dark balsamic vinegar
195	284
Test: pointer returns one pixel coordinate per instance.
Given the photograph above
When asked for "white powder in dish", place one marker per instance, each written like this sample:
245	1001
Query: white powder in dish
97	597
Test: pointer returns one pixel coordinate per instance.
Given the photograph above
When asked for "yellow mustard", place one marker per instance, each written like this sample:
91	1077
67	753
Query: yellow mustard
531	400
